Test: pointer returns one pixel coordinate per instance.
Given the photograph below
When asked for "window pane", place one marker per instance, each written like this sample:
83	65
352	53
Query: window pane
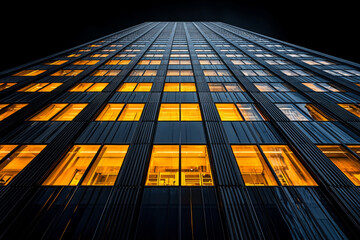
291	112
150	73
110	112
80	87
127	87
351	108
17	162
253	167
288	169
6	112
33	87
143	87
70	112
4	86
97	87
344	160
190	112
131	112
171	87
164	166
264	87
188	87
29	73
49	112
249	112
314	112
169	112
315	87
228	112
216	87
195	166
106	167
233	87
72	167
5	150
50	87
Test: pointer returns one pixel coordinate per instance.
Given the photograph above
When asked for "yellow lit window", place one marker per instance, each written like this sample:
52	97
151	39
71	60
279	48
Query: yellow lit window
315	87
288	169
233	87
149	62
143	87
171	87
106	73
253	168
110	112
59	112
190	112
169	112
6	110
164	166
94	45
179	62
88	87
354	109
132	112
195	166
264	87
99	55
228	112
4	86
75	55
118	62
314	112
56	62
344	160
106	167
11	166
86	62
210	73
187	87
73	166
176	87
137	87
127	87
216	87
40	87
68	73
84	50
29	73
5	150
179	73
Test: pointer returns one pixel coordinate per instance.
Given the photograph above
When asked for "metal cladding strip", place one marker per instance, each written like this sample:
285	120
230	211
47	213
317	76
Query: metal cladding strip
139	152
297	137
225	171
319	164
353	64
320	158
55	68
39	103
34	173
319	99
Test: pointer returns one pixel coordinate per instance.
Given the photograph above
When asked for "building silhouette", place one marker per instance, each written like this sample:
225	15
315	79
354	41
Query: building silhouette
181	130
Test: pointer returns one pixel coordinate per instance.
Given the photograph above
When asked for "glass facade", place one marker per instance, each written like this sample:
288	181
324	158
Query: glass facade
181	130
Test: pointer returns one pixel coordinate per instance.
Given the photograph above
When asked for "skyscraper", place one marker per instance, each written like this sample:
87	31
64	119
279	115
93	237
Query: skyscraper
181	130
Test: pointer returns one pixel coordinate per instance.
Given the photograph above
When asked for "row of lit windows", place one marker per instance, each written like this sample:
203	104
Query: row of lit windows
170	165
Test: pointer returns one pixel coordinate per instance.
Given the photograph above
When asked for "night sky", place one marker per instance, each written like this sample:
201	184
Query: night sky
33	30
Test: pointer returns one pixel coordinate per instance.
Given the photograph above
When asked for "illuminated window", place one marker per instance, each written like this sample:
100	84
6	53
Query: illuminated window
68	73
176	87
106	73
214	73
253	168
317	62
249	112
40	87
137	87
322	87
5	150
233	87
6	110
314	112
4	86
29	73
216	87
73	166
144	73
264	87
99	55
59	112
344	160
228	112
86	62
179	112
179	73
179	62
106	167
118	62
149	62
121	112
288	169
74	55
292	112
88	87
354	109
164	166
12	165
210	62
56	62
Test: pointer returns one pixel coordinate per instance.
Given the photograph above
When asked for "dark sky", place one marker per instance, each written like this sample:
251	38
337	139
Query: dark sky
33	30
